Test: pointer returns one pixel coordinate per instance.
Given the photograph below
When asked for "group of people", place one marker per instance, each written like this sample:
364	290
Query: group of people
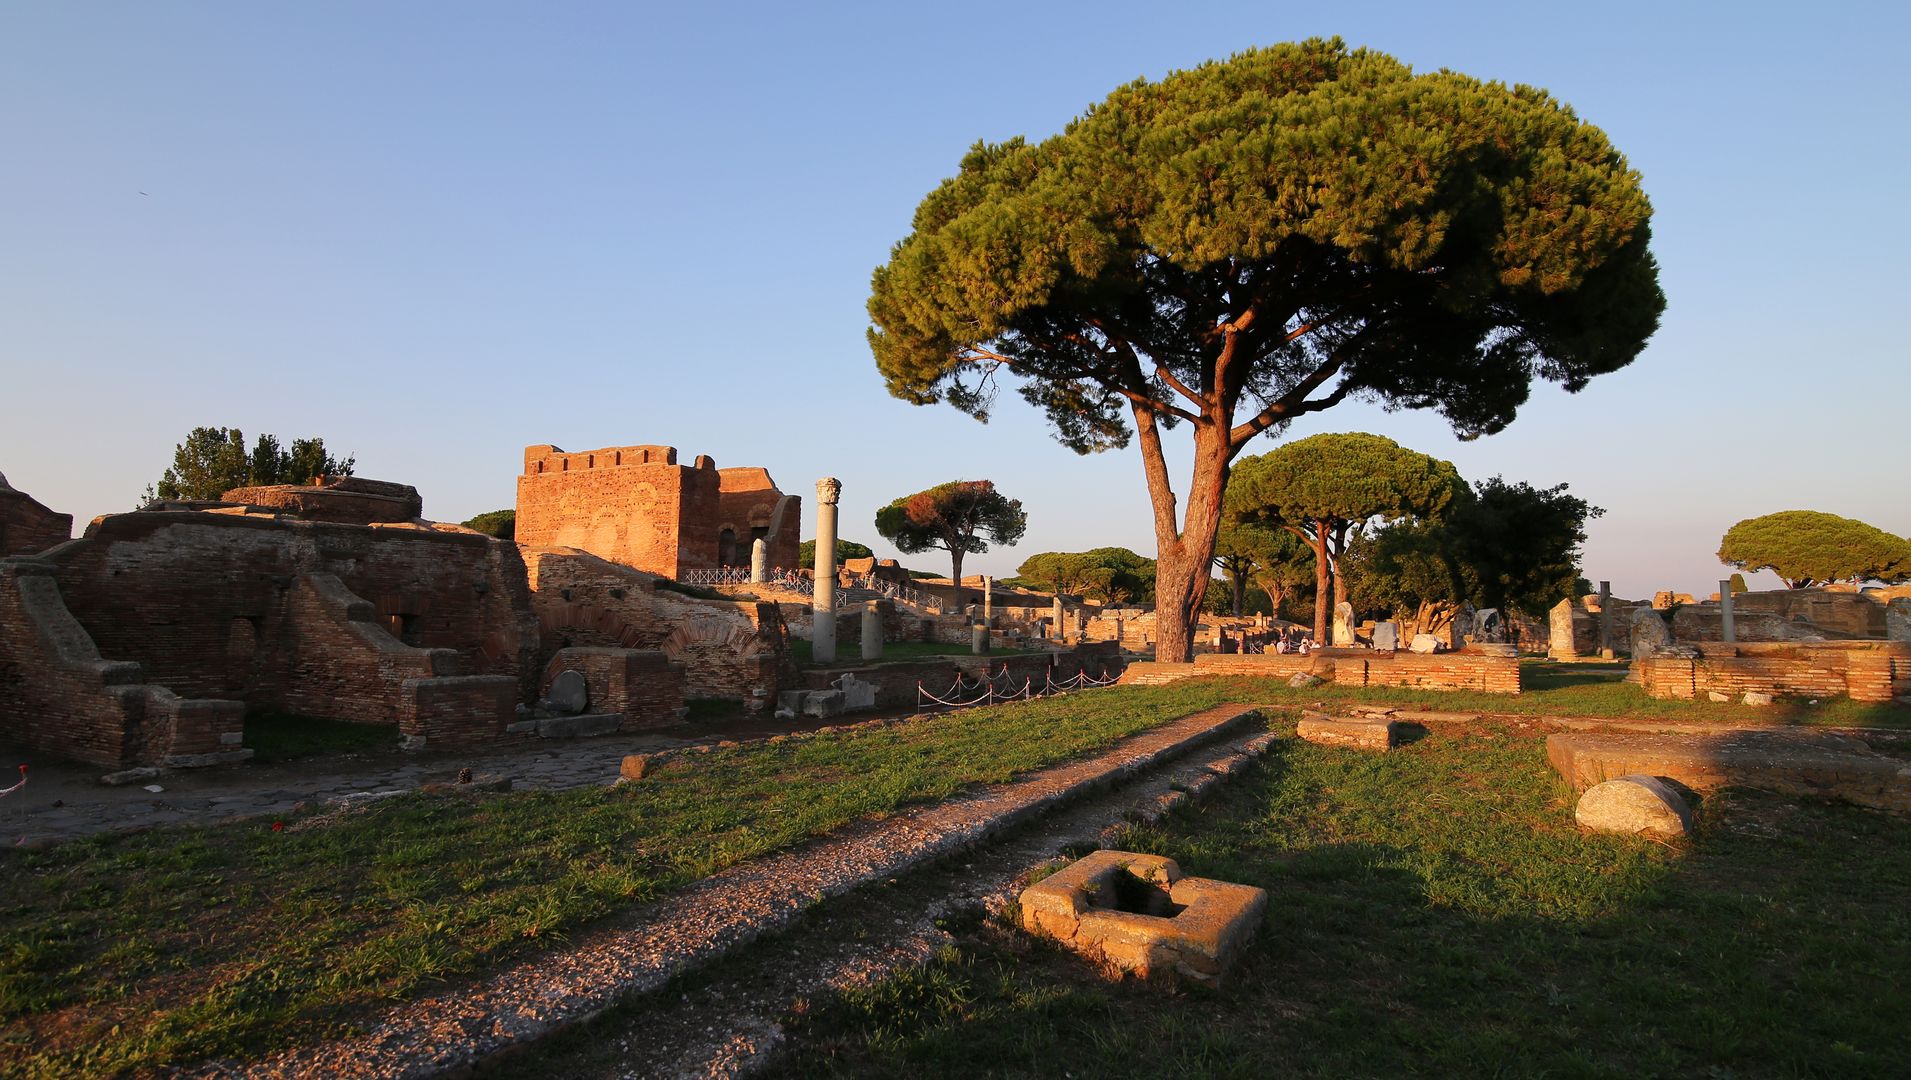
1294	640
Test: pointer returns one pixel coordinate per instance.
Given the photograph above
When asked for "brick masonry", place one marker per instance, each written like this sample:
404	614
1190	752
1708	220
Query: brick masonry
1348	667
642	684
26	527
635	505
731	649
210	614
1861	670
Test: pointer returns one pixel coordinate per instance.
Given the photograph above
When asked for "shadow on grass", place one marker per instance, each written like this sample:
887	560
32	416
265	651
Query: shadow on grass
1435	912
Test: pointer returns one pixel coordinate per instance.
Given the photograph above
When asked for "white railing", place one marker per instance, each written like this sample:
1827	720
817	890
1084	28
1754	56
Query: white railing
794	581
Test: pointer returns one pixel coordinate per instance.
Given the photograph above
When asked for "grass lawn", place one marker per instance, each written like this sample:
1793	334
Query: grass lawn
120	953
1436	912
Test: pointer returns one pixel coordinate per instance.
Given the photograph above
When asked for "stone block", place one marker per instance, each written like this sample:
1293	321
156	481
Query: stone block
1137	914
575	727
823	703
570	694
1424	643
635	766
1788	763
1356	734
1635	804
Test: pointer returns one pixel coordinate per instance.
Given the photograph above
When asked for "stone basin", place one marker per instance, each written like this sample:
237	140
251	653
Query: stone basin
1138	914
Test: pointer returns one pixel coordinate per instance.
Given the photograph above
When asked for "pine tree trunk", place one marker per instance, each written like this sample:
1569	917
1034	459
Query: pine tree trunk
955	576
1323	582
1185	553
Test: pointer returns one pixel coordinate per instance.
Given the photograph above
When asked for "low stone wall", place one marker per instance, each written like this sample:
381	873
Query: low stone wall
1860	670
642	684
1348	667
456	710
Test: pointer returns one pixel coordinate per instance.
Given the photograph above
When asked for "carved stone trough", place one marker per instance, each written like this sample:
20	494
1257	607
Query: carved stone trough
1138	914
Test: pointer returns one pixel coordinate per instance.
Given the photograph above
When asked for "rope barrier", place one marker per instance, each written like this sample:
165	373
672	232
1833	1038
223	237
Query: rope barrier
987	692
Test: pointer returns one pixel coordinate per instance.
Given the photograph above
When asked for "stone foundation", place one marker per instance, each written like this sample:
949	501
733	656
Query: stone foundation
1873	671
1348	667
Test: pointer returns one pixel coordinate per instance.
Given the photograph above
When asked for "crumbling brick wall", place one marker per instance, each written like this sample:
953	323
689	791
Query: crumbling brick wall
642	684
57	694
344	500
26	527
1862	671
204	602
730	649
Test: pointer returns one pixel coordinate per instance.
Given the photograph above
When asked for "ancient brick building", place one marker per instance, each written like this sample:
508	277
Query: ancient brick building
635	505
27	527
147	640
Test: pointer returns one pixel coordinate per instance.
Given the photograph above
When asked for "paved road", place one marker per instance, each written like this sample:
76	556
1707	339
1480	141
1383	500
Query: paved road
63	800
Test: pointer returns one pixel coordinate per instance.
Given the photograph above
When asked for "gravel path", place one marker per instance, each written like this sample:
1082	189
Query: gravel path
641	952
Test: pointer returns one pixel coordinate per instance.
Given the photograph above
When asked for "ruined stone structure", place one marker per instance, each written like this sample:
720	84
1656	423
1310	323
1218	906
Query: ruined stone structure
637	506
730	649
26	526
1495	672
1874	671
343	500
146	641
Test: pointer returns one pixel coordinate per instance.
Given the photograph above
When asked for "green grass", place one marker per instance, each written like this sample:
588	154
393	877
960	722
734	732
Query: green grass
1436	912
275	737
121	953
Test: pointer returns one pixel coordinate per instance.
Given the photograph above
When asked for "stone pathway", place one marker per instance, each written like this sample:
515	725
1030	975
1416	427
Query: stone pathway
63	800
513	1007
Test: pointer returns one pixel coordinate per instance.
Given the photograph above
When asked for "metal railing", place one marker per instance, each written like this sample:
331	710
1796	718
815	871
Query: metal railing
794	581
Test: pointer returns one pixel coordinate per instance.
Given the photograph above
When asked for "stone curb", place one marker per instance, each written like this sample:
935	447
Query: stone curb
455	1032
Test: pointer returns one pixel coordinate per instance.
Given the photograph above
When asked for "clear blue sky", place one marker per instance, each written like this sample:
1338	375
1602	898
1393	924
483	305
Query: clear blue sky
435	233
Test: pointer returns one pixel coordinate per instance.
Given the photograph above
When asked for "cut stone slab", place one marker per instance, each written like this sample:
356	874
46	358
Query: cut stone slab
577	727
1140	915
1424	643
569	693
1637	804
1356	734
823	703
1789	763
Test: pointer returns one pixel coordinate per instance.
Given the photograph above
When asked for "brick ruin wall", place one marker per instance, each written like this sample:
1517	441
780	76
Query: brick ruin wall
750	506
636	506
425	629
343	500
642	684
58	694
728	649
26	527
1349	667
1862	671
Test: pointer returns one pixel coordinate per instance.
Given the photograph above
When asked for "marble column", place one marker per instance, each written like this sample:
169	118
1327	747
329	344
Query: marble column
872	630
1061	615
1605	620
759	561
1727	632
823	599
988	600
